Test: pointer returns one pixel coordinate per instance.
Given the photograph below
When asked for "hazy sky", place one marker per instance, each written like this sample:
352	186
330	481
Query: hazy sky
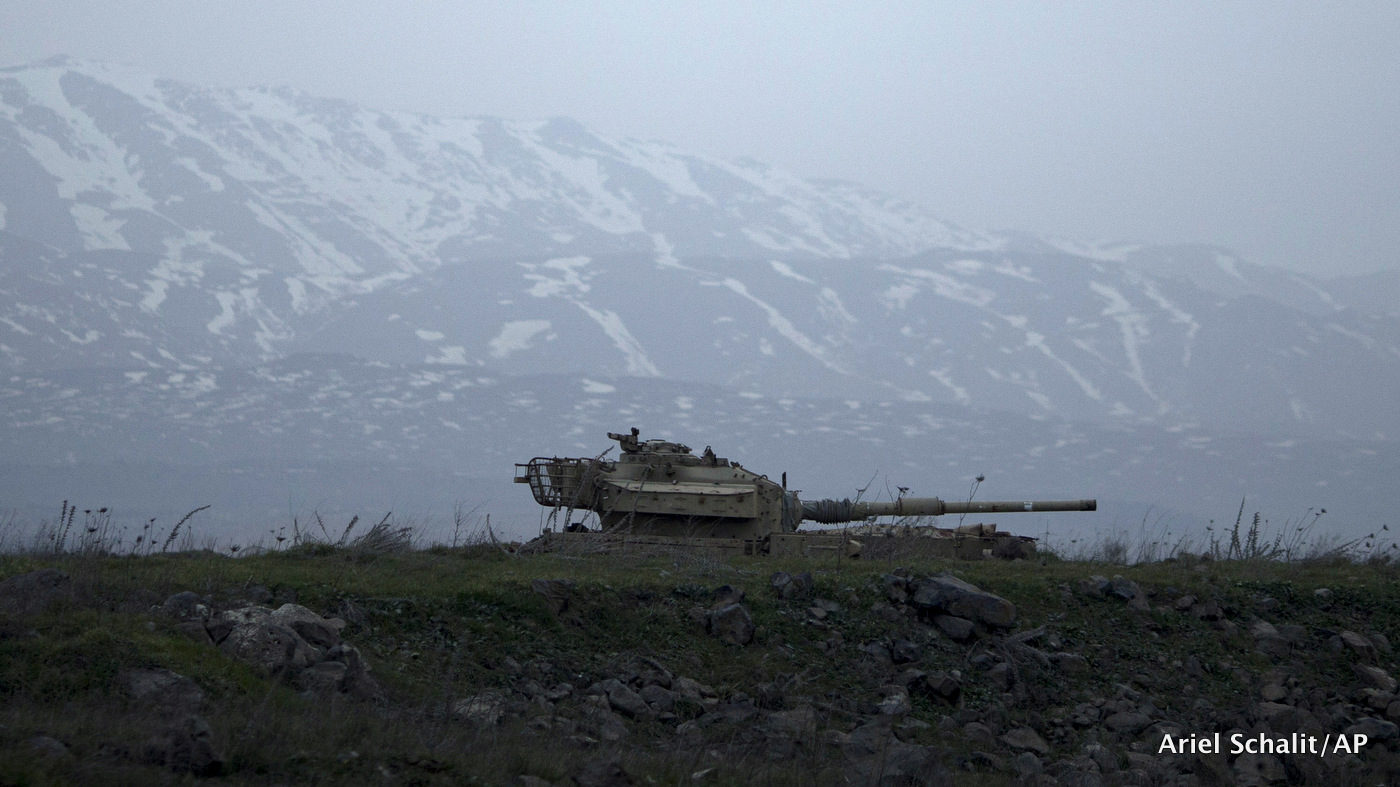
1269	127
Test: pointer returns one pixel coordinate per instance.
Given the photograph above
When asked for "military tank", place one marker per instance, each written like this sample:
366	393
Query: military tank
658	493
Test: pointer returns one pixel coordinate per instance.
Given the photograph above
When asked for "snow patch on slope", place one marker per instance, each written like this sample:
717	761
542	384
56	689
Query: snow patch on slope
515	336
785	327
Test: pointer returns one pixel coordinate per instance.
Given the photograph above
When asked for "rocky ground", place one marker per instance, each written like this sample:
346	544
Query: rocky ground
453	666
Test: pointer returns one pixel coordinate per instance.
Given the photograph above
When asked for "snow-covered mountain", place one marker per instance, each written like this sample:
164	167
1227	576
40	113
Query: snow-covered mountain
264	278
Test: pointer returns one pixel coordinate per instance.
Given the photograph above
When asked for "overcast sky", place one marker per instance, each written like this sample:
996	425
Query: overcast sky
1269	127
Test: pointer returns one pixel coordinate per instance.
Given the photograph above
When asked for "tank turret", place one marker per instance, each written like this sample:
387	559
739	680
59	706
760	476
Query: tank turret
661	489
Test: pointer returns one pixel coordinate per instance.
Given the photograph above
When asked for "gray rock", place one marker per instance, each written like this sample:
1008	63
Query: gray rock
1359	645
1127	722
1258	769
1025	739
902	651
661	699
357	681
30	594
691	690
948	595
603	772
185	605
731	623
1070	663
955	628
1375	677
185	747
268	646
896	588
788	586
1374	729
322	632
327	677
1124	589
45	746
484	710
556	592
1026	764
622	698
173	693
895	702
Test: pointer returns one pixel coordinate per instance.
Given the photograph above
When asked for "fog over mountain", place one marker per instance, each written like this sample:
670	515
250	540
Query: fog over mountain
276	303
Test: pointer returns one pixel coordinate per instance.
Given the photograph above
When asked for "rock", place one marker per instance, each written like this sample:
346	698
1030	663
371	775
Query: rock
956	628
172	693
691	690
661	699
1258	769
1070	663
1208	611
788	586
1273	646
946	594
30	594
1127	722
357	682
323	678
1025	739
603	772
1360	645
1375	677
322	632
604	724
1374	729
623	698
895	703
185	747
902	651
896	588
185	605
940	686
45	746
1095	586
269	646
1026	764
731	623
724	595
484	710
556	592
1124	589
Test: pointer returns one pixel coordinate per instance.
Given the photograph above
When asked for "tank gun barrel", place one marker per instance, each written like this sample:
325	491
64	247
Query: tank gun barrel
834	511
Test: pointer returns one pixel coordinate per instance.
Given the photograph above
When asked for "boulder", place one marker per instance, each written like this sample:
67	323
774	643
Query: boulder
322	632
947	595
185	747
788	586
170	692
956	628
270	647
731	623
32	593
483	710
185	605
556	592
1025	739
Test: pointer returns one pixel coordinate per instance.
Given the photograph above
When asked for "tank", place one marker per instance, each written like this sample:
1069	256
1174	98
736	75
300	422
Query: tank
658	492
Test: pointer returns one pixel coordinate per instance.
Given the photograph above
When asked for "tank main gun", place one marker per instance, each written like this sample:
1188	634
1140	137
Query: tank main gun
836	511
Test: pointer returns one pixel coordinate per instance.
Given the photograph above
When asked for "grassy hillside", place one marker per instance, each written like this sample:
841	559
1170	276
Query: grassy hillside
623	672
